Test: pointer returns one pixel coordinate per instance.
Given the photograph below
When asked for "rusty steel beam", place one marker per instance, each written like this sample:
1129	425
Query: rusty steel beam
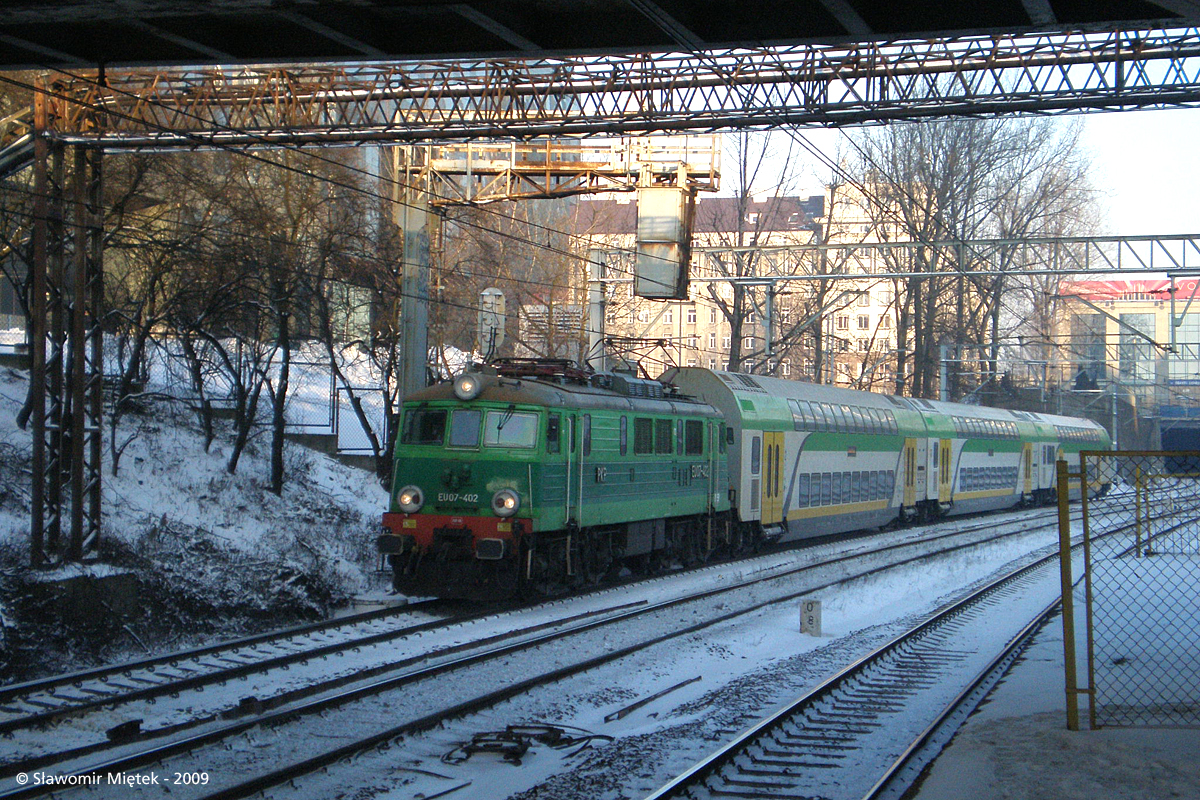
487	172
66	371
521	98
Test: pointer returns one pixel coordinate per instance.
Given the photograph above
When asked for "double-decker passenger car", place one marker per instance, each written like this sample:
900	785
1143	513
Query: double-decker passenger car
807	460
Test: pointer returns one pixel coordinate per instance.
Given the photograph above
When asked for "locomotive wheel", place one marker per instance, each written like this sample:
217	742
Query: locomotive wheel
595	557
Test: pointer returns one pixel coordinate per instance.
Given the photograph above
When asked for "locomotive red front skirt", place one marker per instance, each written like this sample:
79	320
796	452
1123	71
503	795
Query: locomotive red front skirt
487	538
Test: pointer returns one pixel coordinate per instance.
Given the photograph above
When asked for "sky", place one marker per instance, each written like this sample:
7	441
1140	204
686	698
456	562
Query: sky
1146	168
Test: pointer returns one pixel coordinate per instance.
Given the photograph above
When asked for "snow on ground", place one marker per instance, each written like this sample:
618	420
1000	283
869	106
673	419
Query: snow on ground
1017	747
746	668
219	546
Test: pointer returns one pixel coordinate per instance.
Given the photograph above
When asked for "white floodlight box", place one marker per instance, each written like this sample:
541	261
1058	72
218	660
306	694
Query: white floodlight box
664	242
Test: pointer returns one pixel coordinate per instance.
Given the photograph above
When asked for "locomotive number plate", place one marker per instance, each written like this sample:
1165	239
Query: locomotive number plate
455	497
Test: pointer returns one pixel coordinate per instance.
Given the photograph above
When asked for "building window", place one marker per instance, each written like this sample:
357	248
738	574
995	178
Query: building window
864	322
668	316
1136	354
643	315
864	345
864	298
712	363
841	322
712	340
750	317
692	342
726	341
885	322
691	362
843	345
748	343
691	315
785	369
712	316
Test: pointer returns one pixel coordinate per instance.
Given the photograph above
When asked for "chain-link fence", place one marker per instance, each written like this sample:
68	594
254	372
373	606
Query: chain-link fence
1141	586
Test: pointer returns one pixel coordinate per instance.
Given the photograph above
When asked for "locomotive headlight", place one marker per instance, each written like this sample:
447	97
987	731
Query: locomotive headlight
505	502
410	499
467	387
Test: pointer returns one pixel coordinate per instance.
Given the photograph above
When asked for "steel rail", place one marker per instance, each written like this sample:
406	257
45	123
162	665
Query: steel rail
695	776
939	732
289	772
15	691
927	745
17	694
286	772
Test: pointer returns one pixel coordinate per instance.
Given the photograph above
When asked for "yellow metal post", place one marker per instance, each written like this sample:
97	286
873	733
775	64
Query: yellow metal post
1137	504
1068	604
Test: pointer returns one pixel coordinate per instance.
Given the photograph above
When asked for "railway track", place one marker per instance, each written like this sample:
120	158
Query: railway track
868	731
42	701
446	681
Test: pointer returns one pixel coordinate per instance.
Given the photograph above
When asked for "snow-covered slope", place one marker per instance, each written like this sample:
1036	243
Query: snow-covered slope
213	552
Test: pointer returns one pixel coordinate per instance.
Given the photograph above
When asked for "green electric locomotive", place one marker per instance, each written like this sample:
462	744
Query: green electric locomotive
538	477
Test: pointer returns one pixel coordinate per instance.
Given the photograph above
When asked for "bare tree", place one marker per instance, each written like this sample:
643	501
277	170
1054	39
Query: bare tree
960	180
762	169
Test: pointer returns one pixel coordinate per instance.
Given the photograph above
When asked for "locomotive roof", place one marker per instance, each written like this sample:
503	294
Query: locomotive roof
566	395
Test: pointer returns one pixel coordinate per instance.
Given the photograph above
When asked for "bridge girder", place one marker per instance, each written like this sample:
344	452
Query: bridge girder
811	85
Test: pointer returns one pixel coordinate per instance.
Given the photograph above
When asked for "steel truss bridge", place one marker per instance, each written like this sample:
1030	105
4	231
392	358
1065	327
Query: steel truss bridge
77	115
806	85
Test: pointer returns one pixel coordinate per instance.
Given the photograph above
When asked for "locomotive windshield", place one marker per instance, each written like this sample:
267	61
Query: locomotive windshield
424	426
464	428
510	429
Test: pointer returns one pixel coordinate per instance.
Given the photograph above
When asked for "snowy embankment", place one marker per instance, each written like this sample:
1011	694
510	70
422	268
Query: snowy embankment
214	554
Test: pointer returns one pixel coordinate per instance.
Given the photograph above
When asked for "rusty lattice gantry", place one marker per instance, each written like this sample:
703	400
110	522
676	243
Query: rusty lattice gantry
66	376
814	85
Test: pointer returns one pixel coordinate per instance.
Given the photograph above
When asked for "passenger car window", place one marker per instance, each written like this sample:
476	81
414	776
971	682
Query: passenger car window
553	436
